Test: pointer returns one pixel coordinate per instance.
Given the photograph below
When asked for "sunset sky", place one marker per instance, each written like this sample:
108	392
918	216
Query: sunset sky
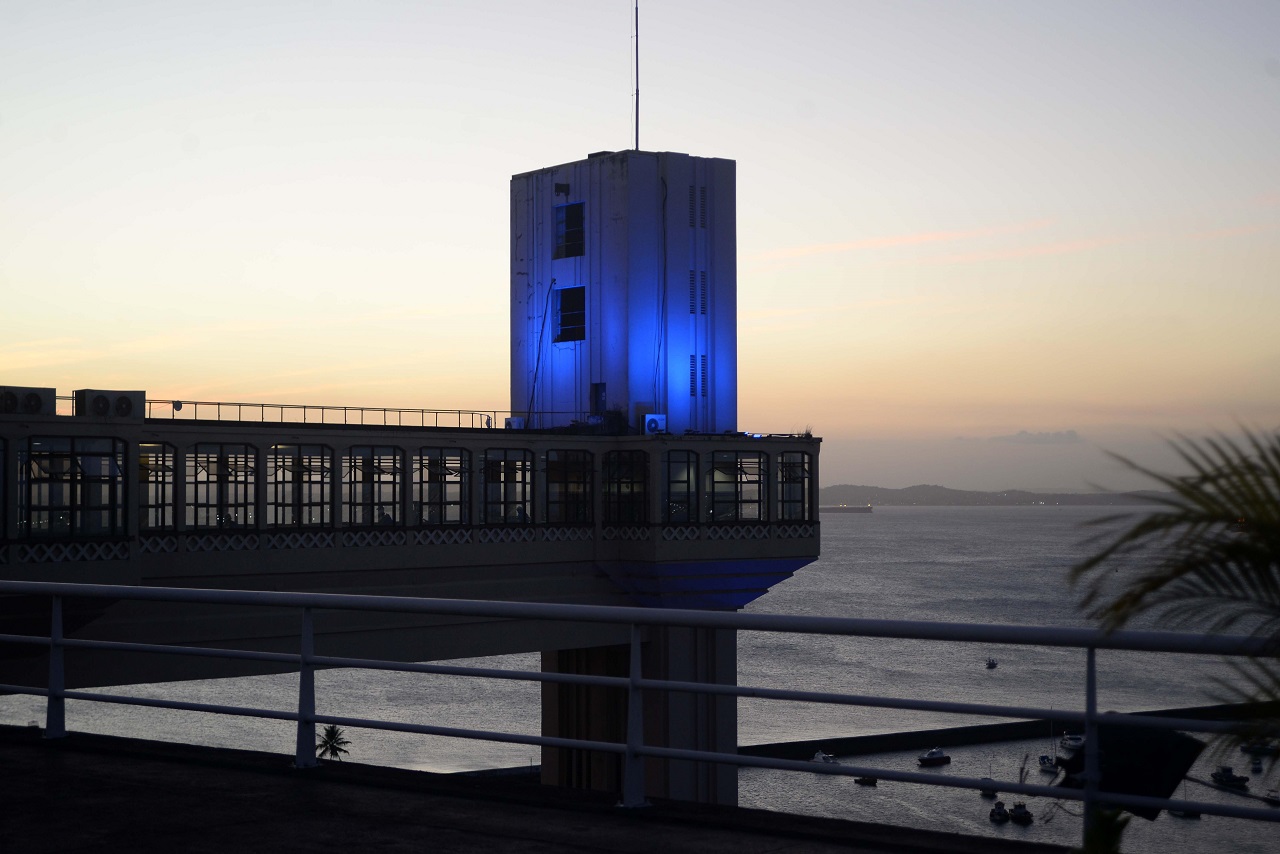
980	243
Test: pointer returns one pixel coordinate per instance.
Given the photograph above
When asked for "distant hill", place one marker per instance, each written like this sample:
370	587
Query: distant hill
941	496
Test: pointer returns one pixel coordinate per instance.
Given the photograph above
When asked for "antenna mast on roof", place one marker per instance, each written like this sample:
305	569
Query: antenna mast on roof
637	41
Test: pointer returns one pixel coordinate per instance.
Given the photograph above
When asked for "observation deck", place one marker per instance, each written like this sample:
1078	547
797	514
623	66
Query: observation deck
124	490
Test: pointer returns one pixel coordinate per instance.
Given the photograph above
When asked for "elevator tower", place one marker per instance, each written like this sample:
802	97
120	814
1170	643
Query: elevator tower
624	293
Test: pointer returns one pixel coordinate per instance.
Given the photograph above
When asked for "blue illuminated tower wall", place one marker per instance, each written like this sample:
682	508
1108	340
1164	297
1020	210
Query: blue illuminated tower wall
624	292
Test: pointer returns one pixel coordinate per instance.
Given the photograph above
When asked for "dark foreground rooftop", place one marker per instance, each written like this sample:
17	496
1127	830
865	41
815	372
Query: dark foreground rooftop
97	793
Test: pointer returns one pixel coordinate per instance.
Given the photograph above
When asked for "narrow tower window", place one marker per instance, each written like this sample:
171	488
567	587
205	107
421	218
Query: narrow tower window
570	239
571	314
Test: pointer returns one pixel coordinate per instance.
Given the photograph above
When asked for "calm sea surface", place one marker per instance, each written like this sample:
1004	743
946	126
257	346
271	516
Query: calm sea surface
955	564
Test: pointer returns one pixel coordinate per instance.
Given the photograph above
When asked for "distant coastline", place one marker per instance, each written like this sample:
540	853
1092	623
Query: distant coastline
941	496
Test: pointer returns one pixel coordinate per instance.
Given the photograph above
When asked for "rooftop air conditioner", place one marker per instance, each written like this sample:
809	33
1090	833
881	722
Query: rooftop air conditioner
655	423
110	404
515	422
19	400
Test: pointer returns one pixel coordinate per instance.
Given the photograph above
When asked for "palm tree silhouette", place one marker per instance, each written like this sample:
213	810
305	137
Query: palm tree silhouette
331	743
1210	558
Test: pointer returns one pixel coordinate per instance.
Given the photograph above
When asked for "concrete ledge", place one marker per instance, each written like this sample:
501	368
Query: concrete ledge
101	793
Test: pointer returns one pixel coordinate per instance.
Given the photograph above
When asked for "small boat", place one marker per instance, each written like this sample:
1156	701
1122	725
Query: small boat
1256	765
933	758
998	813
1260	748
825	757
1020	814
1071	741
1048	764
1224	776
988	791
1272	797
992	664
865	781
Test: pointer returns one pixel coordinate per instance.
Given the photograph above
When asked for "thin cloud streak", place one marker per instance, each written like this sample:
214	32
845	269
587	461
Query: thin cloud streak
1039	250
1236	231
895	240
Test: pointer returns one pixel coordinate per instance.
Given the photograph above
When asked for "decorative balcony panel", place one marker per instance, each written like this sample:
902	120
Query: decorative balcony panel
222	542
300	540
736	532
507	534
443	537
567	535
67	552
627	533
365	539
158	545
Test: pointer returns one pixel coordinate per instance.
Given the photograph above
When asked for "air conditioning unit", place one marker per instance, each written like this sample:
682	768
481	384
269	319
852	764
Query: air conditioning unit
515	422
110	404
655	423
18	400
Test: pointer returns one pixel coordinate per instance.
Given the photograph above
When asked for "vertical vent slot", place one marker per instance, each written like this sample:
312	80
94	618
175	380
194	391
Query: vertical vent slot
702	207
702	294
693	213
693	376
693	294
704	375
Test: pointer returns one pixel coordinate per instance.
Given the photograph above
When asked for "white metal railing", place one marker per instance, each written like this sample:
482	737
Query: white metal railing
635	750
297	413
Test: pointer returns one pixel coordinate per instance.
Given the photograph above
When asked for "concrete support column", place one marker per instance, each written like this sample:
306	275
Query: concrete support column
671	719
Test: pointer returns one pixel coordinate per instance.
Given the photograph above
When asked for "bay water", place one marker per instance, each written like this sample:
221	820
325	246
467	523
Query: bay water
1004	565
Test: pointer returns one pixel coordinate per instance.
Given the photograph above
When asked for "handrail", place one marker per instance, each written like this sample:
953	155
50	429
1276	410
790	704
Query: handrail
301	413
633	751
1139	641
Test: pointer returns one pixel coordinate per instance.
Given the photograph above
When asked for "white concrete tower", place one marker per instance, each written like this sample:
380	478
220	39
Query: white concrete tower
624	293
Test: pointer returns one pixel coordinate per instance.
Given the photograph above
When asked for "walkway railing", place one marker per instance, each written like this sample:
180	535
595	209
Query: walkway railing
635	750
296	413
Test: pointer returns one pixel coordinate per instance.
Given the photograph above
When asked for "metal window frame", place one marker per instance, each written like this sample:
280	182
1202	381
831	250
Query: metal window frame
157	486
795	486
626	487
507	483
70	485
680	491
221	485
299	485
441	486
372	485
568	482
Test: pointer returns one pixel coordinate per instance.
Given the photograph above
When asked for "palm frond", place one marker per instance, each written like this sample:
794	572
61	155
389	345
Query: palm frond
1207	559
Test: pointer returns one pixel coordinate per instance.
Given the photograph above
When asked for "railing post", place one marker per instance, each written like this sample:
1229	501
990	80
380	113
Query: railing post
1091	765
55	716
305	751
633	763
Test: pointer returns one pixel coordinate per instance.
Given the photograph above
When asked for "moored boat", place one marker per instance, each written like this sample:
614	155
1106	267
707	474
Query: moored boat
826	758
1020	814
1048	764
865	781
998	813
989	791
1226	776
934	757
1071	741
